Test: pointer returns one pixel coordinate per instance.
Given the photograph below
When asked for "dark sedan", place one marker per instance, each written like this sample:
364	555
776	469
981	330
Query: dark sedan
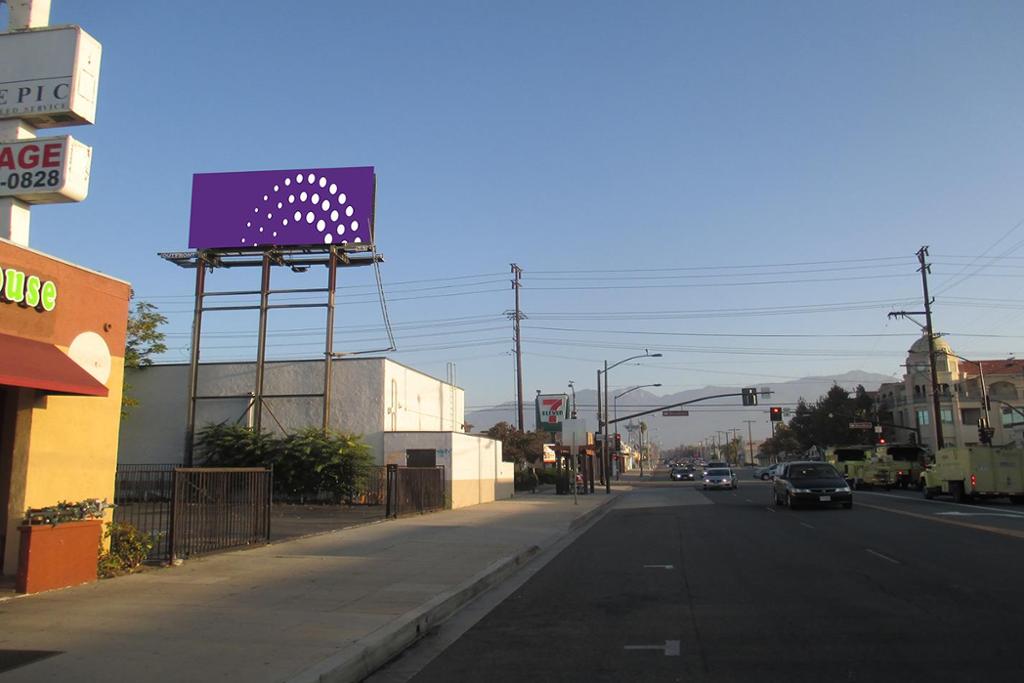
810	483
683	474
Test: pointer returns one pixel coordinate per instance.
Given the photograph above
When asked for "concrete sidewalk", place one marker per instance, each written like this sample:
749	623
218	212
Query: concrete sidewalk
331	607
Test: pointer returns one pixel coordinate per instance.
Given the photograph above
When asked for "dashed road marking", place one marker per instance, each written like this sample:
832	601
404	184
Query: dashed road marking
770	509
659	566
884	557
806	525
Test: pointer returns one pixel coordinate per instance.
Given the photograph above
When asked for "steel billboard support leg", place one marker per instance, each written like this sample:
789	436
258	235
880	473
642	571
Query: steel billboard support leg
193	383
261	343
332	282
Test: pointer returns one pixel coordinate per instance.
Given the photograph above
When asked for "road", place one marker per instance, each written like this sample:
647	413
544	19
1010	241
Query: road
675	584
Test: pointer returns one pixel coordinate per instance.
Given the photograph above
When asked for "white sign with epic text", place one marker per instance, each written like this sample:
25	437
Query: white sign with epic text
49	76
45	170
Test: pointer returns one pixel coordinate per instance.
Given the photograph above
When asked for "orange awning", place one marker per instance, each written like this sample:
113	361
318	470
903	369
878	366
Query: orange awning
35	365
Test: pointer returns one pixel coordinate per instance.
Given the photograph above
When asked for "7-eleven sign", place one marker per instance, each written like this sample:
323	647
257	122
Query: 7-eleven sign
551	410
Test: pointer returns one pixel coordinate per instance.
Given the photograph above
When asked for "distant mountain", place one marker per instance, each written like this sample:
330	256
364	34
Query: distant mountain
705	419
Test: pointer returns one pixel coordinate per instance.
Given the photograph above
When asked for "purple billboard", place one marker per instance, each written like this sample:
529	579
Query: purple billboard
297	208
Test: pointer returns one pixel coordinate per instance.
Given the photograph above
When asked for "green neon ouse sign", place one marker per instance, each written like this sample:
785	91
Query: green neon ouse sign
17	288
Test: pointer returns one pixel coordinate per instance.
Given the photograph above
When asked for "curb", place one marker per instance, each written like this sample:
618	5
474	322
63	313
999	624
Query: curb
368	654
592	513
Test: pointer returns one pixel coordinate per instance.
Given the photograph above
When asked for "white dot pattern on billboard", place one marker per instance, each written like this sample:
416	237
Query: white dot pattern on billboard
317	215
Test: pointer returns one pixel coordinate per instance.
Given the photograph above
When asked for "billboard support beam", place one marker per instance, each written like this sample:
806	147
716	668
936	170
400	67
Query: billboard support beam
299	259
332	283
261	340
193	381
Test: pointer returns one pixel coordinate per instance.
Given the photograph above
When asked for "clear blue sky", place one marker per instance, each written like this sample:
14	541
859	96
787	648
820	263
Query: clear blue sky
652	166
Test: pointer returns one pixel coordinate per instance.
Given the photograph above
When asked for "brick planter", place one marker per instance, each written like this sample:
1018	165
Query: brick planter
58	556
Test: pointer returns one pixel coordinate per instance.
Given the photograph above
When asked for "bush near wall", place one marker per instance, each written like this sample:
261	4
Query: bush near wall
307	463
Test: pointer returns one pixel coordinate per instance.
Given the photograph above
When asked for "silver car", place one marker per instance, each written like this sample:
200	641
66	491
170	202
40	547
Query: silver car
719	478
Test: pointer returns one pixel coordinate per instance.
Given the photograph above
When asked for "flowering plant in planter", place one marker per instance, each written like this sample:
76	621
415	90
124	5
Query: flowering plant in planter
91	508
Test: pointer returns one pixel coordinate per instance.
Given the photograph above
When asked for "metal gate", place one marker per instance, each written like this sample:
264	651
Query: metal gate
190	511
414	490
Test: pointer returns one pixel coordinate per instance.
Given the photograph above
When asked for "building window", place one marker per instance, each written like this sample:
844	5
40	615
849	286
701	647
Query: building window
947	416
1003	390
970	416
923	418
1011	417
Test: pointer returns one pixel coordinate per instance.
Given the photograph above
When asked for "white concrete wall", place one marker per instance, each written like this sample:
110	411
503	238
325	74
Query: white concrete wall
154	432
415	402
474	472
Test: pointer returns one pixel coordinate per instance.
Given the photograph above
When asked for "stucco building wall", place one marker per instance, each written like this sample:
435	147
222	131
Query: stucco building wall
370	396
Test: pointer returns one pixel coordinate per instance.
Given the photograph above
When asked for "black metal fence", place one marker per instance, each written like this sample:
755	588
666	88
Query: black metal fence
191	511
414	490
143	498
219	507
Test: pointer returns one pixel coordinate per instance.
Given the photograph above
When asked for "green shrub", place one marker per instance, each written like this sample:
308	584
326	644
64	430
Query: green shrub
313	460
228	445
307	464
129	548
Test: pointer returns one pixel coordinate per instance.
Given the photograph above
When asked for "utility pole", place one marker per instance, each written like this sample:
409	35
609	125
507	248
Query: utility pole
925	269
516	316
750	440
735	438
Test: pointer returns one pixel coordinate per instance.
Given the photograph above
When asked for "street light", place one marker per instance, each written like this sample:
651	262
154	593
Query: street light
572	388
616	407
604	423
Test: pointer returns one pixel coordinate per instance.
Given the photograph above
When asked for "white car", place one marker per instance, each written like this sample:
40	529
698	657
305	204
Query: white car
719	478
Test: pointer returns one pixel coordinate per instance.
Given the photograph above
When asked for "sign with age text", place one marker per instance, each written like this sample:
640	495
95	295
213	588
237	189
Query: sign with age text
45	170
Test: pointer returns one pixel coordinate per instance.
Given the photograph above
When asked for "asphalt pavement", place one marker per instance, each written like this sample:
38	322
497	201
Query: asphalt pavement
675	584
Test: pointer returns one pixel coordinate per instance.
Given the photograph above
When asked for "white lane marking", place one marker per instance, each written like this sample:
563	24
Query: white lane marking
659	566
748	500
884	557
770	509
977	514
806	525
908	499
670	648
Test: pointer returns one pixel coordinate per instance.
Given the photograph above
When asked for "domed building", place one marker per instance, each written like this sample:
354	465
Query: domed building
907	410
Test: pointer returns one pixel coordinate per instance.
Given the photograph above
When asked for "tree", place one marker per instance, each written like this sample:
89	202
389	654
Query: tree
826	422
785	442
143	340
517	446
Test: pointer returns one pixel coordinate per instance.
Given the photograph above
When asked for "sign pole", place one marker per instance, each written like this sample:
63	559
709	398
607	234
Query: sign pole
14	214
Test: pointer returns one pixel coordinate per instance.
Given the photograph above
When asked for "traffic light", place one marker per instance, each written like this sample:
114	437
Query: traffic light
985	432
618	442
775	414
749	396
881	440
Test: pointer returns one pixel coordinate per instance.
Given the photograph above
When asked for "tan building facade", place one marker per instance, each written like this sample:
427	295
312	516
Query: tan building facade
62	340
909	403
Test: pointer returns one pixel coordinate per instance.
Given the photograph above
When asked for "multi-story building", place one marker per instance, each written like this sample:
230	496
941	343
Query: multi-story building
909	406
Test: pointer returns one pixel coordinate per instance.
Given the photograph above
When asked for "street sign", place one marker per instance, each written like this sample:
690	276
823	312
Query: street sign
45	170
675	413
49	76
861	425
552	409
574	433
